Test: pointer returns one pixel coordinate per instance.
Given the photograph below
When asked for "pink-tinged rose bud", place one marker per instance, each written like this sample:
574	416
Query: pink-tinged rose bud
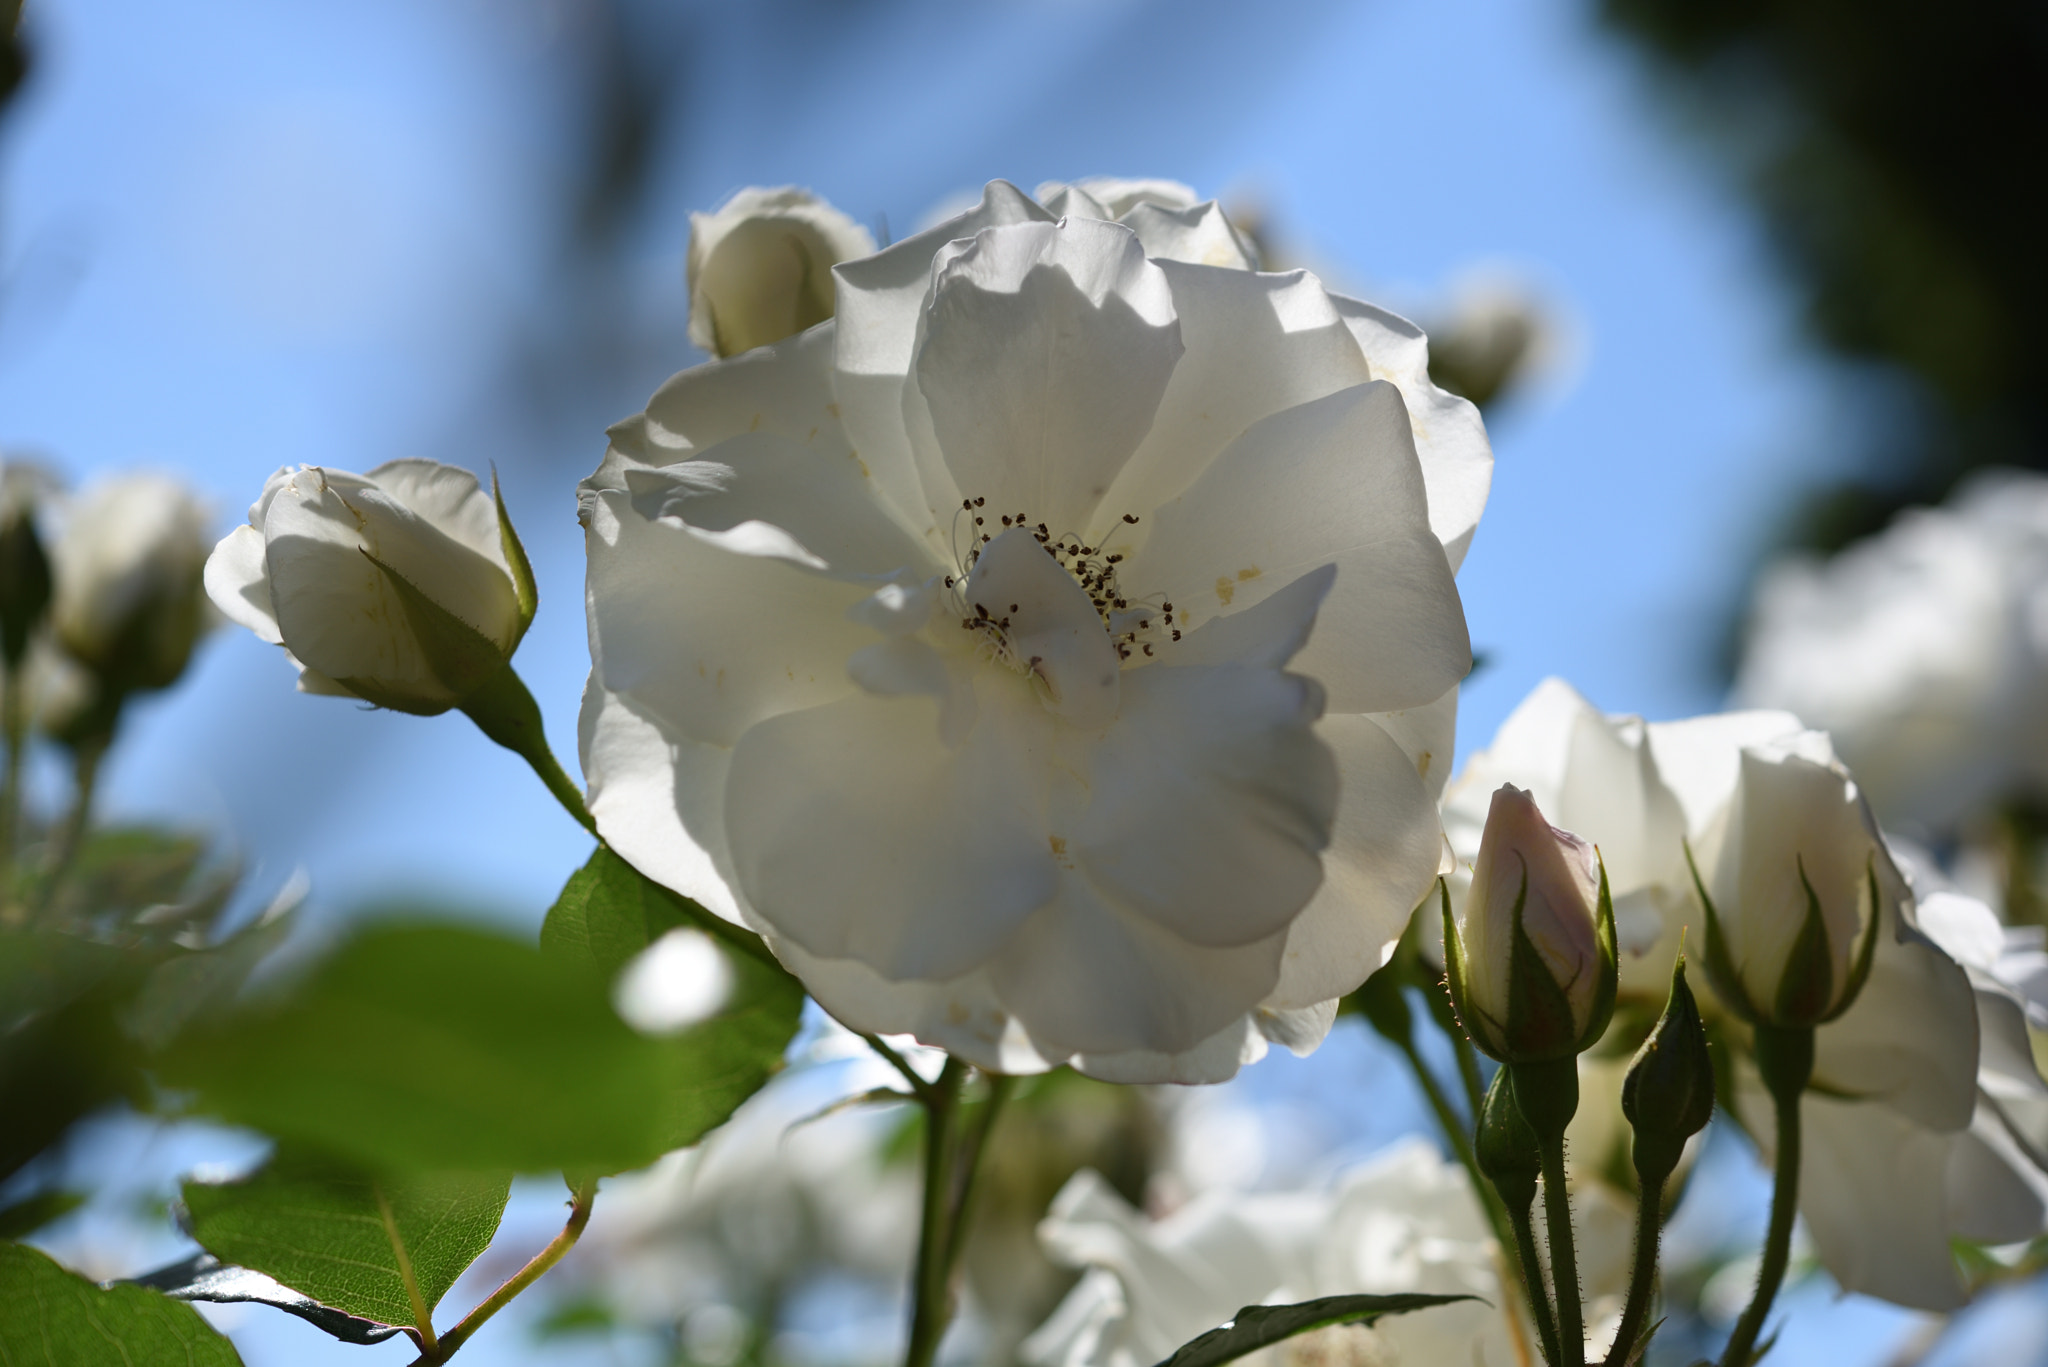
1532	958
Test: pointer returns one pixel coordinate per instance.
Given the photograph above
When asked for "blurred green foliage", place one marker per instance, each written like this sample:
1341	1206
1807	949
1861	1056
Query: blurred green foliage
1893	152
53	1318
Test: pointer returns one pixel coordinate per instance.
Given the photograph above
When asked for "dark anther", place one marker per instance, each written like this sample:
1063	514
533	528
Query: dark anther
1132	520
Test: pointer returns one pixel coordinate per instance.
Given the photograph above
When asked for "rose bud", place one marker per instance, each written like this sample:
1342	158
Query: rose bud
126	567
760	267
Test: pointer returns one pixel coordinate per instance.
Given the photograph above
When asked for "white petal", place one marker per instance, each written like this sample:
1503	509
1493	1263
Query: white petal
820	501
1120	195
705	640
880	297
1995	1193
1198	234
961	1015
904	665
1428	735
857	834
1049	627
1457	459
1896	1248
1333	481
1910	1038
1042	355
1256	344
238	582
1269	632
337	609
1083	977
1211	801
1382	861
451	499
1216	1059
658	800
1700	758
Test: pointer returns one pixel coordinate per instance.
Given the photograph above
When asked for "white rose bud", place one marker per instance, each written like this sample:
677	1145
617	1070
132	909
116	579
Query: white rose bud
126	568
406	587
1531	962
1792	874
760	267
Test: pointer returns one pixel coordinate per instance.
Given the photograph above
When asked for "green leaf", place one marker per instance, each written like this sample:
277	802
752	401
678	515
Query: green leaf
425	1048
53	1318
383	1249
203	1277
609	911
1260	1326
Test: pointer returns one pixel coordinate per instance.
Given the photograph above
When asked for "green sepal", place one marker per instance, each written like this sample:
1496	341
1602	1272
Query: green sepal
523	584
1455	981
1806	984
1720	968
1539	1023
1866	953
1609	984
1506	1148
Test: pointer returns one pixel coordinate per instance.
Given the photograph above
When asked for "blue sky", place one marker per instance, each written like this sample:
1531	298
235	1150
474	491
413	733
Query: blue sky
236	235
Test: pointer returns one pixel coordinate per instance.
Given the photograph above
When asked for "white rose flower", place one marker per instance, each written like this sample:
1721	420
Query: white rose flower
947	645
1404	1221
1171	221
1895	1077
405	587
126	569
1922	650
760	267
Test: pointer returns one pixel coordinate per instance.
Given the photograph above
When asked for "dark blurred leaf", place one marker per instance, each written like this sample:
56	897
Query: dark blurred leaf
126	872
30	1214
188	985
346	1239
63	1054
203	1277
53	1318
1258	1326
430	1048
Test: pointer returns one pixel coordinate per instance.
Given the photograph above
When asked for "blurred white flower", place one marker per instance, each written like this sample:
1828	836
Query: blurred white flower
1895	1076
126	569
1923	650
402	587
1403	1221
680	979
949	646
784	1193
760	267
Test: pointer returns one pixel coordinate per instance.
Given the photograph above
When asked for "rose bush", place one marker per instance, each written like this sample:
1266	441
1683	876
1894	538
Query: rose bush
1895	1086
1054	657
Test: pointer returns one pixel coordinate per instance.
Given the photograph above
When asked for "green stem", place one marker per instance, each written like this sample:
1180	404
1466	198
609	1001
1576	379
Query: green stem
14	726
1642	1279
579	1216
1784	1055
505	711
919	1087
1564	1262
70	836
931	1298
1468	1070
1530	1267
999	1088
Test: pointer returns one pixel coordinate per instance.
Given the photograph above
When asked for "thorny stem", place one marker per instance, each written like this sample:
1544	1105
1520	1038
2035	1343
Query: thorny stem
931	1300
1564	1263
1785	1058
1642	1280
1531	1269
579	1216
